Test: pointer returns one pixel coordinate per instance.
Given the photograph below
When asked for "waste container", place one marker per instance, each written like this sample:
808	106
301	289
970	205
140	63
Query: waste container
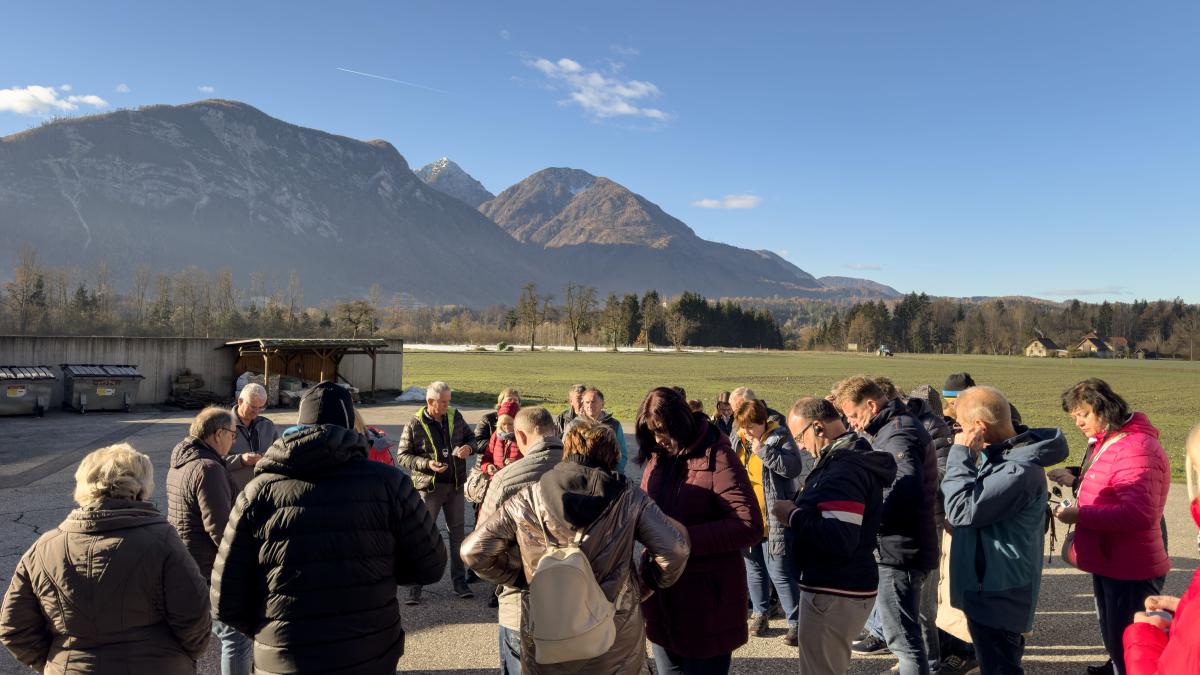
25	390
89	386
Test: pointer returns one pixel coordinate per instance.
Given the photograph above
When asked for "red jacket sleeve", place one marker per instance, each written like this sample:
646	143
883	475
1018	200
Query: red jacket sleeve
1144	645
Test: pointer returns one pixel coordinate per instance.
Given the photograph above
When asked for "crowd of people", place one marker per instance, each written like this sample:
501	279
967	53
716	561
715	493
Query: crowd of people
868	519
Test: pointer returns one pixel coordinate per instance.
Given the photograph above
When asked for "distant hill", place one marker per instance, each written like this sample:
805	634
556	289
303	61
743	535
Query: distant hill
867	286
449	178
219	184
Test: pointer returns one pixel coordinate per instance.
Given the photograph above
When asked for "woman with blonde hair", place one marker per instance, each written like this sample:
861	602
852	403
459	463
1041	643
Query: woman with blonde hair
139	605
508	402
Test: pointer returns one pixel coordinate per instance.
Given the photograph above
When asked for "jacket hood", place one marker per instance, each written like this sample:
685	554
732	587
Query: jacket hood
893	409
1139	424
191	449
111	514
1044	447
548	446
919	407
851	447
311	451
578	494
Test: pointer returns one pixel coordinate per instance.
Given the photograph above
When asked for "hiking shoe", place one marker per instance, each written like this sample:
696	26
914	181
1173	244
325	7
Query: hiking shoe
758	625
1105	668
462	590
414	596
870	645
791	638
956	664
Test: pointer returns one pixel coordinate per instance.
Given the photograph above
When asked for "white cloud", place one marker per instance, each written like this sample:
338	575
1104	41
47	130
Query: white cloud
729	202
37	100
601	95
504	34
122	88
206	88
863	266
64	87
623	50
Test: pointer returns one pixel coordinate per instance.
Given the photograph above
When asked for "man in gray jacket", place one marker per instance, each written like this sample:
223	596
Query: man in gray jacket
537	437
255	434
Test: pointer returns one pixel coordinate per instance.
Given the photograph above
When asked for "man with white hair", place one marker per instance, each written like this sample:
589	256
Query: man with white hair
255	434
434	447
742	394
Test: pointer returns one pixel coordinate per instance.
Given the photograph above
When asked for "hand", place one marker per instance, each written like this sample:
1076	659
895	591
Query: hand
250	458
1068	515
1063	476
756	444
972	438
782	510
1162	603
1154	620
462	451
438	467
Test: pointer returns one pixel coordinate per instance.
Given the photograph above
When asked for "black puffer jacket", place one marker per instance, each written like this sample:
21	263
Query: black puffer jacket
907	535
315	548
199	497
942	437
415	450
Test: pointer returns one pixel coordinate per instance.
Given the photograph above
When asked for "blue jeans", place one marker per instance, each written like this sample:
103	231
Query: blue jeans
929	629
999	651
764	570
510	651
899	604
667	663
237	650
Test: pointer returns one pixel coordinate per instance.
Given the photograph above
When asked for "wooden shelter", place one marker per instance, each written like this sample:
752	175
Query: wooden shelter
307	358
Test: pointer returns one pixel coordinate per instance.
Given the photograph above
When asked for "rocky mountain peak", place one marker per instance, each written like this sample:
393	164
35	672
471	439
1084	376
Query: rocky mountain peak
449	178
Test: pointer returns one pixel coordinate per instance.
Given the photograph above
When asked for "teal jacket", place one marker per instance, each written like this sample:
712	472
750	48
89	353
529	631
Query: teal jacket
997	506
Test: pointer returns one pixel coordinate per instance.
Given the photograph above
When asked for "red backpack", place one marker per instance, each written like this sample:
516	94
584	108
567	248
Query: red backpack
381	449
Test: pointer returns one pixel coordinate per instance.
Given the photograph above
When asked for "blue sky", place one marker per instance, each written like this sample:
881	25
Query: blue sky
1035	148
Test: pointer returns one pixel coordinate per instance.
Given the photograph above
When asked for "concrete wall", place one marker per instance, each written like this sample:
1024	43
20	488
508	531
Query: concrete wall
160	359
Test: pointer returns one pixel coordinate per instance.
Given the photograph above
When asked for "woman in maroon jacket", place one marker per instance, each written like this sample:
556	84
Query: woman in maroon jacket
694	477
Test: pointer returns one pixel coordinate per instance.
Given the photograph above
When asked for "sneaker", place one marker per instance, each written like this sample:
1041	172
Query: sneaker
414	596
870	645
791	638
462	590
958	665
758	625
862	635
1105	668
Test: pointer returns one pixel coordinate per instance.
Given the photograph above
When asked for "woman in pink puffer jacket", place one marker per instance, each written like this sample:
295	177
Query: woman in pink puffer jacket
1122	489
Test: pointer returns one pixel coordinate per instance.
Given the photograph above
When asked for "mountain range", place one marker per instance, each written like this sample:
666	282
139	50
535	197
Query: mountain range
217	184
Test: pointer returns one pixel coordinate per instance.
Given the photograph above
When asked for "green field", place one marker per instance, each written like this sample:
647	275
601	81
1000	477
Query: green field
1167	391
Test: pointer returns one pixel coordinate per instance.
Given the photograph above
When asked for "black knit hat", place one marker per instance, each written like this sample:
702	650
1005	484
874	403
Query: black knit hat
956	383
327	403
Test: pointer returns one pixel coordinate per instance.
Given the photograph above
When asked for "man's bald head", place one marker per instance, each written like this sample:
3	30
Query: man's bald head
989	406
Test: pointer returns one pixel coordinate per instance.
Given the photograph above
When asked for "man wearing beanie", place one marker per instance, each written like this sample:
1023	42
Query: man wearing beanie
318	543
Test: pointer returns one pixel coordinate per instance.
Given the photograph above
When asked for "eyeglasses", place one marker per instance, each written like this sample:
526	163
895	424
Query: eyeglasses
232	432
803	431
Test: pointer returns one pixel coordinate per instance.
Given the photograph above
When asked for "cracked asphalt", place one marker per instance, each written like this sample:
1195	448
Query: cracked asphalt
445	634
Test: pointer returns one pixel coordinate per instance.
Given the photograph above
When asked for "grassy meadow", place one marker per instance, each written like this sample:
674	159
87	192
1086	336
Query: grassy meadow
1167	391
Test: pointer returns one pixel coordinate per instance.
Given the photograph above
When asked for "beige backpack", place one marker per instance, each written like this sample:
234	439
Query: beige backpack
570	618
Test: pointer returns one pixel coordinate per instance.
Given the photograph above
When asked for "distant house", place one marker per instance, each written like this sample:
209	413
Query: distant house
1042	348
1102	346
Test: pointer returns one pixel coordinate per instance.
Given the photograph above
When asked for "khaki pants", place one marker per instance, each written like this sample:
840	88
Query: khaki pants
827	626
949	619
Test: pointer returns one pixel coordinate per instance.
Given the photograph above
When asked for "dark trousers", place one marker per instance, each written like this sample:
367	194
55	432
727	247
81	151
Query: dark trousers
999	651
668	663
449	502
1117	600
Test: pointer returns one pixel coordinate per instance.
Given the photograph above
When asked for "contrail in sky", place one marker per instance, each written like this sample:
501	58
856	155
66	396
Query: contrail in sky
392	79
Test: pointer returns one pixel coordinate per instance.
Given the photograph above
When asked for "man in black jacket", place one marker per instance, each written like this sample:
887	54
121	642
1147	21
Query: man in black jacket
316	546
834	524
434	448
908	545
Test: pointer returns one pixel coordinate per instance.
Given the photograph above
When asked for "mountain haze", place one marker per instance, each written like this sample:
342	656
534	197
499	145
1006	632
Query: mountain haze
219	184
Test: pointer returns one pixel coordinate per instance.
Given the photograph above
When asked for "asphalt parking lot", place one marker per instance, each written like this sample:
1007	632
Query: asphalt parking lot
446	634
